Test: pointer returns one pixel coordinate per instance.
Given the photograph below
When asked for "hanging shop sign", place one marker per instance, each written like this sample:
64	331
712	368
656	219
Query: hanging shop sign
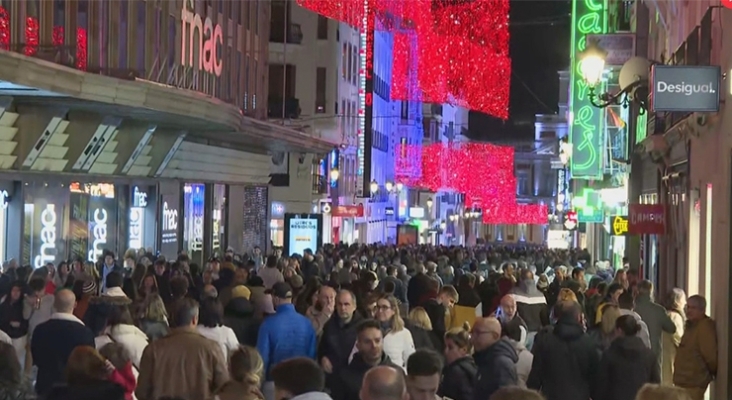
685	88
646	219
619	225
366	100
348	211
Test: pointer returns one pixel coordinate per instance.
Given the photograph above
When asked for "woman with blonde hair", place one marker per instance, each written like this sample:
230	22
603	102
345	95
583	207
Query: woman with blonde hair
675	303
398	343
420	327
605	332
661	392
245	370
460	371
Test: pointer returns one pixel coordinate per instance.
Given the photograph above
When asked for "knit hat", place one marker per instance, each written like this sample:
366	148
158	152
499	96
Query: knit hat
240	291
296	281
90	287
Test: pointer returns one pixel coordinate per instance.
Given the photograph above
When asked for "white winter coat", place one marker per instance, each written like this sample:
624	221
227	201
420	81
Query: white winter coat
129	336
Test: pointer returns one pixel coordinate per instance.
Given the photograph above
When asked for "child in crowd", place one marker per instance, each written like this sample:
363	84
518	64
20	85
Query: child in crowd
122	372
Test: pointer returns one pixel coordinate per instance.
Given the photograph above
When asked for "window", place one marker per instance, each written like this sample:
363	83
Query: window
235	12
405	110
348	62
256	19
237	83
59	22
123	17
255	88
322	27
344	60
320	87
354	65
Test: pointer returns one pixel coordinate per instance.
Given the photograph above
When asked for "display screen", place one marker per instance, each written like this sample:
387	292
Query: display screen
302	232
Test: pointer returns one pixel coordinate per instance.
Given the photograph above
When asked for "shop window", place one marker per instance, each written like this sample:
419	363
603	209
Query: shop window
92	220
45	215
194	203
255	217
218	231
320	89
141	226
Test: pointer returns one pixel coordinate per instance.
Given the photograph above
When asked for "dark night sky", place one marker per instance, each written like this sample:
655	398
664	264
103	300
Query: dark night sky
540	35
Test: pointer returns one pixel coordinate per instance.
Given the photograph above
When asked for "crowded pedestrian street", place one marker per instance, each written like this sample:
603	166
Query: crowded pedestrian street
348	322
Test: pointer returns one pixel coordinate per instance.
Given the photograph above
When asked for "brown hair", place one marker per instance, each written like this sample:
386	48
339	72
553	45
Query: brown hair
116	354
461	338
85	365
397	323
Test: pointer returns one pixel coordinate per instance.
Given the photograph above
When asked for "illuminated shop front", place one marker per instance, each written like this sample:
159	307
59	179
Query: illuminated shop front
194	203
141	225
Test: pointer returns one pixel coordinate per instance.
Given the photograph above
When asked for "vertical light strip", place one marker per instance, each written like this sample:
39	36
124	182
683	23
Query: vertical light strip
708	251
362	98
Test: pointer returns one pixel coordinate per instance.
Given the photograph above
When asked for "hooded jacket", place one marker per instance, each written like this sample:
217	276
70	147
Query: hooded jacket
531	305
565	363
625	367
338	340
496	369
239	316
100	307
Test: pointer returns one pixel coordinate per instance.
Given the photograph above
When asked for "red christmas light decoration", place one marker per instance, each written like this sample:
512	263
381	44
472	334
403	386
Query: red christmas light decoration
483	172
4	29
31	36
81	48
57	37
457	51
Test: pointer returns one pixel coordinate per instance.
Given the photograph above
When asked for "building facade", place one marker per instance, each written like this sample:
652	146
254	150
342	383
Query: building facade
143	128
687	165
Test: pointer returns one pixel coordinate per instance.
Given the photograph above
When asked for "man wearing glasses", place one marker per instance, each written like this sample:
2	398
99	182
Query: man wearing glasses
495	357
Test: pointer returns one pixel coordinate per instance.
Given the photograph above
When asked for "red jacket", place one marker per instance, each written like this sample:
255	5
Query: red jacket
125	378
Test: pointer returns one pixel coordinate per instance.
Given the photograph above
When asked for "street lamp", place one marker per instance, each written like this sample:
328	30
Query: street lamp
374	187
633	79
334	174
443	225
429	202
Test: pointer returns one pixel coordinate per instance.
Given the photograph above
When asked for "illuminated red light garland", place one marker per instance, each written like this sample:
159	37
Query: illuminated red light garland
459	53
483	172
31	36
4	29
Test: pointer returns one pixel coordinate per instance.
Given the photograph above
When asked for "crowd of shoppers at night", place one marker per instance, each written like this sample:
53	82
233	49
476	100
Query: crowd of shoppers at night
349	322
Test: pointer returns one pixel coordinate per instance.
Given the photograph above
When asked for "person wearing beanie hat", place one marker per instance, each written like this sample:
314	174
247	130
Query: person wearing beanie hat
239	315
240	291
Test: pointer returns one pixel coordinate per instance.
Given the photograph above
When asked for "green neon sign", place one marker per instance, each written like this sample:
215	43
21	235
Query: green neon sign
589	206
589	17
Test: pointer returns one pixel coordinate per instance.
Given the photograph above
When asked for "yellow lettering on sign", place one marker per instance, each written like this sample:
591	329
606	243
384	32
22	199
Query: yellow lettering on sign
620	226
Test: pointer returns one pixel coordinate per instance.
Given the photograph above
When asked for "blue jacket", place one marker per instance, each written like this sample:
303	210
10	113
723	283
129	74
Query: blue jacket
285	335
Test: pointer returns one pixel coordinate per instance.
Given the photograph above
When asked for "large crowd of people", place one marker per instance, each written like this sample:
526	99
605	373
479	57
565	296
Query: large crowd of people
344	322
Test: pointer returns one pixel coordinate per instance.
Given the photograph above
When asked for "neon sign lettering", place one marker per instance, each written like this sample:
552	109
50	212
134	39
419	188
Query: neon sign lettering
4	198
47	253
589	17
170	218
99	234
137	217
209	36
139	198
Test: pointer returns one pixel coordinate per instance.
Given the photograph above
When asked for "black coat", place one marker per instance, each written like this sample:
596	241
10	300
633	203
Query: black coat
424	339
98	390
437	311
13	313
99	310
337	340
416	289
625	367
239	316
347	385
565	362
458	379
52	343
496	369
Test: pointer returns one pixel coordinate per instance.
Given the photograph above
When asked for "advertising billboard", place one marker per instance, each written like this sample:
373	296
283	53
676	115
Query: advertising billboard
302	231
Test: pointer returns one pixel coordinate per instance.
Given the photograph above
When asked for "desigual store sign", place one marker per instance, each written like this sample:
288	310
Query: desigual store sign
209	37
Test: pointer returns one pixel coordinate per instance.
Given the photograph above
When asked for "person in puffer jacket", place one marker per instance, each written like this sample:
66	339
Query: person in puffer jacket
460	373
495	357
523	366
531	305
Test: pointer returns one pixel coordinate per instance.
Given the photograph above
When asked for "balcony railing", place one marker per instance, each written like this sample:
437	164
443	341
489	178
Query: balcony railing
287	109
294	34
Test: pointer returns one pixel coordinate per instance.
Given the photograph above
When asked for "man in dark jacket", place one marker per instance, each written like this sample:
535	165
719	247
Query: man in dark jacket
399	289
339	334
54	340
100	307
438	308
654	316
566	359
495	357
531	305
370	354
417	287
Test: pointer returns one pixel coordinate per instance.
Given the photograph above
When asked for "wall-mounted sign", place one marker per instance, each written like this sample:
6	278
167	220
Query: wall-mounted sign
685	88
646	219
170	224
302	231
348	211
277	210
589	17
389	211
47	251
136	229
139	197
570	220
366	101
210	41
416	212
558	239
98	231
4	199
93	189
619	225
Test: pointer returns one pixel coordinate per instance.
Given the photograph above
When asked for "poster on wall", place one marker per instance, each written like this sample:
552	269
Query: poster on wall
169	219
302	231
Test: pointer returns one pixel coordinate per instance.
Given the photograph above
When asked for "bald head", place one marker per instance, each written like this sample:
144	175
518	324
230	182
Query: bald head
486	332
210	291
508	306
64	301
383	383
